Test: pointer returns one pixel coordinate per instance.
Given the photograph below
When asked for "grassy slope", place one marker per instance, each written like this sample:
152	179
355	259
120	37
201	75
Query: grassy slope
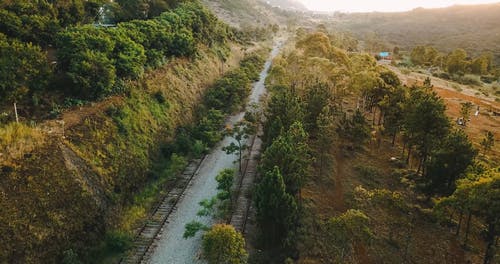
60	191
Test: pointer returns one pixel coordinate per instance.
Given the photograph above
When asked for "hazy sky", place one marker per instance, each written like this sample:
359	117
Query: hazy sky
382	5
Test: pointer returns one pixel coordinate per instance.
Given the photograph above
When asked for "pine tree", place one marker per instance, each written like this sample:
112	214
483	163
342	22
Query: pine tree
277	210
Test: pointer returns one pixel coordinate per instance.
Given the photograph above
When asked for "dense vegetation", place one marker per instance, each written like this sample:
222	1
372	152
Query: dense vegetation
94	61
456	65
308	124
81	196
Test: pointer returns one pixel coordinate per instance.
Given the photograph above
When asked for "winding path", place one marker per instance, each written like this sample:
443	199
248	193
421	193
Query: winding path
170	247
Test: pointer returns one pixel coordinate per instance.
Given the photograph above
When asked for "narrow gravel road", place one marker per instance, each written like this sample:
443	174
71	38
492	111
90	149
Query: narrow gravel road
172	248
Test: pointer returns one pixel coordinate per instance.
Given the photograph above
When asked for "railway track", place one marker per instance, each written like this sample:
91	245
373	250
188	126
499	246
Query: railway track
149	232
243	202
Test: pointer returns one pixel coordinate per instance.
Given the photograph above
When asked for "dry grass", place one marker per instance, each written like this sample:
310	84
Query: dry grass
18	139
391	224
183	82
453	97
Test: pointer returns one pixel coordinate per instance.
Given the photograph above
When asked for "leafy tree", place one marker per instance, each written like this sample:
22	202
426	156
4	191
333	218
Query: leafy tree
457	62
30	21
367	84
465	111
24	70
363	62
155	37
276	209
482	64
129	57
209	126
347	229
450	161
222	244
417	55
488	141
480	196
229	92
192	228
316	45
423	55
92	74
132	9
240	132
75	41
225	180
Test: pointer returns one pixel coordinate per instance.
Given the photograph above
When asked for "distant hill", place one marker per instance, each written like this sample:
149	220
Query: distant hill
475	28
256	12
286	4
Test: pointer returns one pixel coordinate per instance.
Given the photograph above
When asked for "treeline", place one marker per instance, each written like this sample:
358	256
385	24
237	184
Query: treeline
95	61
477	196
227	95
307	121
39	21
456	63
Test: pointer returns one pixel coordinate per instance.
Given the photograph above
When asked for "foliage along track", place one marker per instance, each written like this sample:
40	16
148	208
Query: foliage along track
151	229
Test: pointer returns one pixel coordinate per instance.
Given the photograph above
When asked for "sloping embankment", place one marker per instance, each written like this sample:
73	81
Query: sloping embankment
72	185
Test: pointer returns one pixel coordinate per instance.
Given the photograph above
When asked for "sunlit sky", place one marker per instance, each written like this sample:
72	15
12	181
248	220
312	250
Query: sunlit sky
382	5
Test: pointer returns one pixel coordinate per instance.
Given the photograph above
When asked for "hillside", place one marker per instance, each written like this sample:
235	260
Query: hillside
255	13
474	28
287	4
78	180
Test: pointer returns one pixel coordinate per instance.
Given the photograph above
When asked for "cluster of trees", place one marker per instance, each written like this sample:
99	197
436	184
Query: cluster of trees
417	114
221	242
92	61
305	114
478	196
226	96
94	58
298	132
457	62
24	69
233	89
39	21
125	10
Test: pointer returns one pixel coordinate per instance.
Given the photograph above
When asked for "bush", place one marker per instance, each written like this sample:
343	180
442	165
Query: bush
488	79
367	171
467	79
118	241
444	75
223	244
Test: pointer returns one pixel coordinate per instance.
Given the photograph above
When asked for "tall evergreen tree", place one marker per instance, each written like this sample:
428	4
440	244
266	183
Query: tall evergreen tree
277	210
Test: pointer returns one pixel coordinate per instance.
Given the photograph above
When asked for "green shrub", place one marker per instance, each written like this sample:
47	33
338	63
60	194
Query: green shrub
118	241
223	244
367	171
